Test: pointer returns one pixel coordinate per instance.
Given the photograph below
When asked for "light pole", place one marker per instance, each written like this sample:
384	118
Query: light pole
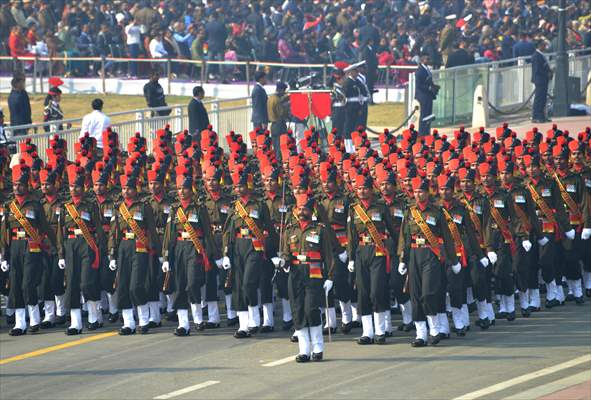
561	101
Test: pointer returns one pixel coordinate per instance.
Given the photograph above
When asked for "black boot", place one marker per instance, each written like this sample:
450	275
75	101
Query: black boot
182	332
126	331
302	358
317	356
418	343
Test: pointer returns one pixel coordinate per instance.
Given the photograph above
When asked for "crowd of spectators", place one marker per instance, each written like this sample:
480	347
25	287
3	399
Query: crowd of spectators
291	31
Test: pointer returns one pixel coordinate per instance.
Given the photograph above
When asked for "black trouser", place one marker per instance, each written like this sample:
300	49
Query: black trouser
547	261
80	276
540	98
425	274
480	280
372	281
246	272
305	297
155	280
569	259
188	275
352	111
107	277
281	281
338	120
456	287
426	110
52	278
133	275
265	284
342	290
521	264
211	284
24	275
503	271
397	282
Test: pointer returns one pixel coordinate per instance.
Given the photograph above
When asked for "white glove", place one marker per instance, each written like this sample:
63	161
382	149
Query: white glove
570	235
61	263
113	265
484	261
351	266
327	286
4	266
278	262
586	234
343	257
543	241
456	268
526	245
492	256
165	267
226	263
218	263
402	268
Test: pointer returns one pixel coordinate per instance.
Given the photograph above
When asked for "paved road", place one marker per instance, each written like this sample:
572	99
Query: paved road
214	365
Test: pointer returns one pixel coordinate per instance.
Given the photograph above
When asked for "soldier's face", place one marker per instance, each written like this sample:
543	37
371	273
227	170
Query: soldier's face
155	187
446	193
467	185
271	184
76	190
533	170
99	188
20	189
560	163
505	176
330	186
47	188
128	192
487	180
304	213
387	188
421	196
185	193
364	192
241	190
212	184
577	156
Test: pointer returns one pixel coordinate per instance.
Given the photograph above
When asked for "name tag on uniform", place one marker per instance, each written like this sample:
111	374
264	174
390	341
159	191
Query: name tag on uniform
478	210
193	218
519	199
571	188
254	214
138	216
431	221
282	209
224	209
30	214
376	217
313	238
398	213
108	213
499	204
166	210
85	216
546	192
458	219
588	182
339	210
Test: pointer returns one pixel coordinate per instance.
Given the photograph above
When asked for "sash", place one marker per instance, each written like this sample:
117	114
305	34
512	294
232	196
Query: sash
504	228
373	232
36	239
566	197
431	238
252	226
140	236
542	205
455	234
180	214
71	208
523	218
475	221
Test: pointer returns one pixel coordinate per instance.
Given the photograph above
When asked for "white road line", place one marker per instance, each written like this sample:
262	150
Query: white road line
279	362
524	378
552	387
186	390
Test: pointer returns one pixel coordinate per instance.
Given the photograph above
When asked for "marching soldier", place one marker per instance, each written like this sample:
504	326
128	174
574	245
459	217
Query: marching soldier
188	237
552	218
79	231
133	243
24	228
307	249
246	231
369	224
52	281
426	245
218	204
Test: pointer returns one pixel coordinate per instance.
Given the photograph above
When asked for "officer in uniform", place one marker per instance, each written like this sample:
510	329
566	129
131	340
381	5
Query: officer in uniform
369	224
133	243
353	107
24	226
218	203
188	237
365	96
339	100
246	231
425	244
307	249
52	281
79	232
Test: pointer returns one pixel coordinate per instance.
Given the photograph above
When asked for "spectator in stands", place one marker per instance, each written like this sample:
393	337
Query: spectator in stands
459	56
198	118
95	123
157	49
133	40
524	47
19	105
216	33
103	47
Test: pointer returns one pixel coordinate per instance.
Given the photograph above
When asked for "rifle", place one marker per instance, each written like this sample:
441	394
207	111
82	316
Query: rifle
282	221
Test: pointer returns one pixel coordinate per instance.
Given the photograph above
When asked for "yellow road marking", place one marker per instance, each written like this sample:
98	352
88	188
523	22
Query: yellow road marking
62	346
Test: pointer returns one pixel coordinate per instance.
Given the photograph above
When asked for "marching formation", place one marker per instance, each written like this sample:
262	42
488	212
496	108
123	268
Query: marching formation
173	226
